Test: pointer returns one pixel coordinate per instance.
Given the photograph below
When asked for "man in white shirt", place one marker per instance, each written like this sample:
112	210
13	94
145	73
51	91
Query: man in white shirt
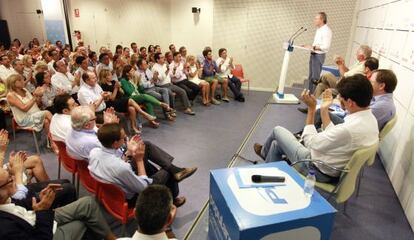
55	56
61	122
160	72
5	68
148	80
155	212
84	67
328	80
64	80
336	143
319	48
105	63
92	93
225	65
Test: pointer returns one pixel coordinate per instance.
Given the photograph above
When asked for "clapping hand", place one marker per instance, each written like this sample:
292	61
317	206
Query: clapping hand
327	99
16	161
47	196
109	116
308	99
4	140
136	147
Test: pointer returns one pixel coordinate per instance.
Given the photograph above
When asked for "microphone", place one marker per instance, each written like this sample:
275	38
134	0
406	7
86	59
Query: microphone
290	39
297	35
263	179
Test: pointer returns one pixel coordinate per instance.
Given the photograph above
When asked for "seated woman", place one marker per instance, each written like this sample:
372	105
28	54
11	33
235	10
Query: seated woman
137	93
28	72
193	73
122	103
24	105
43	80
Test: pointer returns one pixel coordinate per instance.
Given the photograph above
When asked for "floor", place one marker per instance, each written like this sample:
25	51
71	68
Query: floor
211	138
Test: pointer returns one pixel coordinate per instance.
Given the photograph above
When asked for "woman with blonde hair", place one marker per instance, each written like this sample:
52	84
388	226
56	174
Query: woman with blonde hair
193	73
24	105
122	103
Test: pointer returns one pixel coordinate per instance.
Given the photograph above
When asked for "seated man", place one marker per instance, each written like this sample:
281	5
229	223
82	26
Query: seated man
105	163
148	83
105	63
61	123
92	93
156	213
33	218
160	71
178	76
210	70
5	68
16	168
64	80
225	64
81	139
336	144
383	82
328	80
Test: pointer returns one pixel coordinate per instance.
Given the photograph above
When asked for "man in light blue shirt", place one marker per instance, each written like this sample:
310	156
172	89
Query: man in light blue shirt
135	174
382	105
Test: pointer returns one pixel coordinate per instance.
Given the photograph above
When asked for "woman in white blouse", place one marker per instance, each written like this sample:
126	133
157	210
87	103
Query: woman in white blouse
193	73
24	105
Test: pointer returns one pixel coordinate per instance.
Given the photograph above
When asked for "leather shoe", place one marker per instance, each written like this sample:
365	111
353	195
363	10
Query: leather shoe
303	110
185	173
258	150
179	201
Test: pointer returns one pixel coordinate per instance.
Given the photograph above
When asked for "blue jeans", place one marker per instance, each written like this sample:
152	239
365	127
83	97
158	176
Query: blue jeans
315	67
335	119
282	141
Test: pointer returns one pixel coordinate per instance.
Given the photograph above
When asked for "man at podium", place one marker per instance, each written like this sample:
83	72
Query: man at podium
319	48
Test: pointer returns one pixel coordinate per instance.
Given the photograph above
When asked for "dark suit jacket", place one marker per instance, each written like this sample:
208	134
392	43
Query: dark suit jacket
15	228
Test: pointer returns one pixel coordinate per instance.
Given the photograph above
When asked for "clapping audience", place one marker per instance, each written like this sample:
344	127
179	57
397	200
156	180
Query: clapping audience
50	79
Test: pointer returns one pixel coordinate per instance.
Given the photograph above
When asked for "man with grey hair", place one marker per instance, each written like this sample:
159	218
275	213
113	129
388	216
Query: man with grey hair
82	137
328	80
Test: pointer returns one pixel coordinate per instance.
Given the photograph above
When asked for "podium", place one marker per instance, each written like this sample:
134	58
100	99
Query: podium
267	212
280	96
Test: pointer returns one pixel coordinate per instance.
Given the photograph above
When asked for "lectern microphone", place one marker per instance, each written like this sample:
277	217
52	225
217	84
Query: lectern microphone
290	39
298	34
262	179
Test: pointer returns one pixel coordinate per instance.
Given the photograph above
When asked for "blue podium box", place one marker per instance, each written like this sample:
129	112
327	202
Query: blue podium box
273	212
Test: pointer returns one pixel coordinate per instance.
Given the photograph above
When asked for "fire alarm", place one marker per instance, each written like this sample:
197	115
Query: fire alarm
195	10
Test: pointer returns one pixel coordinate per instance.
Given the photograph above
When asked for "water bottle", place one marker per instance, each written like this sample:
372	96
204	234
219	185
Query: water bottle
309	183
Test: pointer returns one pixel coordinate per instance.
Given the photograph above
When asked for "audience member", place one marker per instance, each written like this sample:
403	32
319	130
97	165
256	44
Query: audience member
156	213
43	80
64	80
81	139
34	219
193	73
134	48
336	143
147	81
61	122
24	105
179	78
160	71
122	103
225	65
210	70
172	48
135	91
105	63
5	68
106	164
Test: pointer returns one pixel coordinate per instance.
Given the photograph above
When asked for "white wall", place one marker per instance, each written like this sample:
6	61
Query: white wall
23	21
254	32
388	27
108	23
195	31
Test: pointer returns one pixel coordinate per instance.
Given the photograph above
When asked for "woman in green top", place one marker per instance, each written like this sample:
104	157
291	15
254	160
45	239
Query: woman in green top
136	92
